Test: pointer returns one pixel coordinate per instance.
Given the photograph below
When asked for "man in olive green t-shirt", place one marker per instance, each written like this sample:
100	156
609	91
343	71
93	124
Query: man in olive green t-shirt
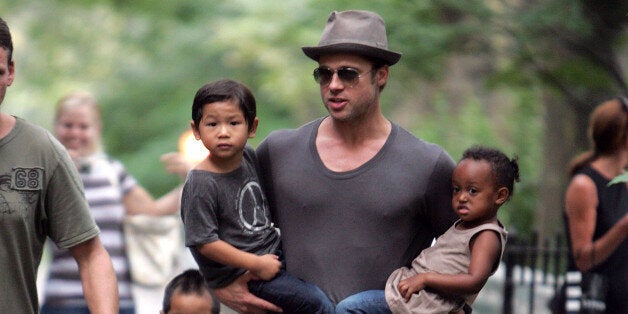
41	196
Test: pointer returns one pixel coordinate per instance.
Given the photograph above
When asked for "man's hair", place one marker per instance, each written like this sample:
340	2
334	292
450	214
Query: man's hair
190	281
224	90
5	39
376	64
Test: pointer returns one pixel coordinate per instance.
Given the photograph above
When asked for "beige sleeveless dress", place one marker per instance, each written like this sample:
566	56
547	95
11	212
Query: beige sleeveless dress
449	255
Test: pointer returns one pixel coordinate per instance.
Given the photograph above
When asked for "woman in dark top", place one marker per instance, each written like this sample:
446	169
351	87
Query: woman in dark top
596	212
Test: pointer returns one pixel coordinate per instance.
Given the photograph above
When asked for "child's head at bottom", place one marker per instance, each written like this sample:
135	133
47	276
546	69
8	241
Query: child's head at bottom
483	180
187	293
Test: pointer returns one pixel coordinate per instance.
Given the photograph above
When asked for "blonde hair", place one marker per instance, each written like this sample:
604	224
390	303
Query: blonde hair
76	99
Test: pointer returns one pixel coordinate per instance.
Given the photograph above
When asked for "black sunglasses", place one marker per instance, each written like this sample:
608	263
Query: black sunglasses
347	75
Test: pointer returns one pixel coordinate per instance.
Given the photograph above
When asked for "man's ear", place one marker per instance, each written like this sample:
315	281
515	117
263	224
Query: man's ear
382	75
11	73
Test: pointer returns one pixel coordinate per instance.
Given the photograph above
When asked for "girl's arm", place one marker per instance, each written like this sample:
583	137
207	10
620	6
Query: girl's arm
485	250
264	267
139	201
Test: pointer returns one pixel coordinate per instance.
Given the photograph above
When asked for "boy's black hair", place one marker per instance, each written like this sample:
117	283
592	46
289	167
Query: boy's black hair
5	39
188	282
505	170
224	90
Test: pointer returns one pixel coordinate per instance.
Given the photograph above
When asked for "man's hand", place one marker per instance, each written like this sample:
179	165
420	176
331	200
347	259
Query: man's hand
237	296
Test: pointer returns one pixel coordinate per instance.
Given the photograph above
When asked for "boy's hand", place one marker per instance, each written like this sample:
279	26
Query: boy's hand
267	266
411	285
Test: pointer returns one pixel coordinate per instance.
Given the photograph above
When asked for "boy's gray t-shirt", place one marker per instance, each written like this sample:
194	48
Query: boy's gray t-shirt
230	207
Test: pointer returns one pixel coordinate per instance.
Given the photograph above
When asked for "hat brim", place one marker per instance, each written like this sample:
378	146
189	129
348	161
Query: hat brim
390	57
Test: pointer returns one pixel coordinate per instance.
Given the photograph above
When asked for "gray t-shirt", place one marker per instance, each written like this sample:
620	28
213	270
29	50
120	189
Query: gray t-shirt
230	207
347	231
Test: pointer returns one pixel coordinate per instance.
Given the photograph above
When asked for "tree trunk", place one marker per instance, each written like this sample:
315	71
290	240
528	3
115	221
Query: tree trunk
559	146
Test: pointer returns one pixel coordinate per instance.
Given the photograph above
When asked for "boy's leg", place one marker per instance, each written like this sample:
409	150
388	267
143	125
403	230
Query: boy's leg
293	295
371	301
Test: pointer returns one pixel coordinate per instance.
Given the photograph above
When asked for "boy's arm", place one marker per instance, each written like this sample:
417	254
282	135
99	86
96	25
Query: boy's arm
485	250
264	267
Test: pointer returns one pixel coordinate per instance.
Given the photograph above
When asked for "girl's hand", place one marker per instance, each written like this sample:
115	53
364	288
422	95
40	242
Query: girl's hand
267	267
411	285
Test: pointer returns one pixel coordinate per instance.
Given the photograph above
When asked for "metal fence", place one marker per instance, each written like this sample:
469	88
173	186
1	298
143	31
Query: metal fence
545	264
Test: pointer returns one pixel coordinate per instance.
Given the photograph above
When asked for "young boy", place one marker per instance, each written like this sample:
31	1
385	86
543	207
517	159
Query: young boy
224	209
187	293
446	277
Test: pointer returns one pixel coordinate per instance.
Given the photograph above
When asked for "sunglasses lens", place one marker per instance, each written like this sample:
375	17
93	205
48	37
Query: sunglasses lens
349	76
322	75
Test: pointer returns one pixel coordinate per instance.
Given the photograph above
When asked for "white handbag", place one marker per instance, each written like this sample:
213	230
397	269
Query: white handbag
153	245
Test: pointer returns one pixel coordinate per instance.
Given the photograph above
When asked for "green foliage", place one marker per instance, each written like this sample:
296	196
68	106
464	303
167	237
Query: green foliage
515	130
619	179
144	61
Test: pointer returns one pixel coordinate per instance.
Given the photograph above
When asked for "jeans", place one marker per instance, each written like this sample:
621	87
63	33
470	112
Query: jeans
292	294
371	302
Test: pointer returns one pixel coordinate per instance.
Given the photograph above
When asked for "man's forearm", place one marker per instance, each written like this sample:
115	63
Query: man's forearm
100	286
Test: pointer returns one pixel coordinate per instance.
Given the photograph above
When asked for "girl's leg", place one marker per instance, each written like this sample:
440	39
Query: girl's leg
371	302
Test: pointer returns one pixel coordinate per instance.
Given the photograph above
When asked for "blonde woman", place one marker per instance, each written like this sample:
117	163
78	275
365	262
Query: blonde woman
112	194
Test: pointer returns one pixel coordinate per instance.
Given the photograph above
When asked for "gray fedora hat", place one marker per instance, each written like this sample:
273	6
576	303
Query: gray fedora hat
354	31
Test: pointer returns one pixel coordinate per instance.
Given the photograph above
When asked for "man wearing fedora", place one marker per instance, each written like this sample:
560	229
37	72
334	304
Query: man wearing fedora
354	194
